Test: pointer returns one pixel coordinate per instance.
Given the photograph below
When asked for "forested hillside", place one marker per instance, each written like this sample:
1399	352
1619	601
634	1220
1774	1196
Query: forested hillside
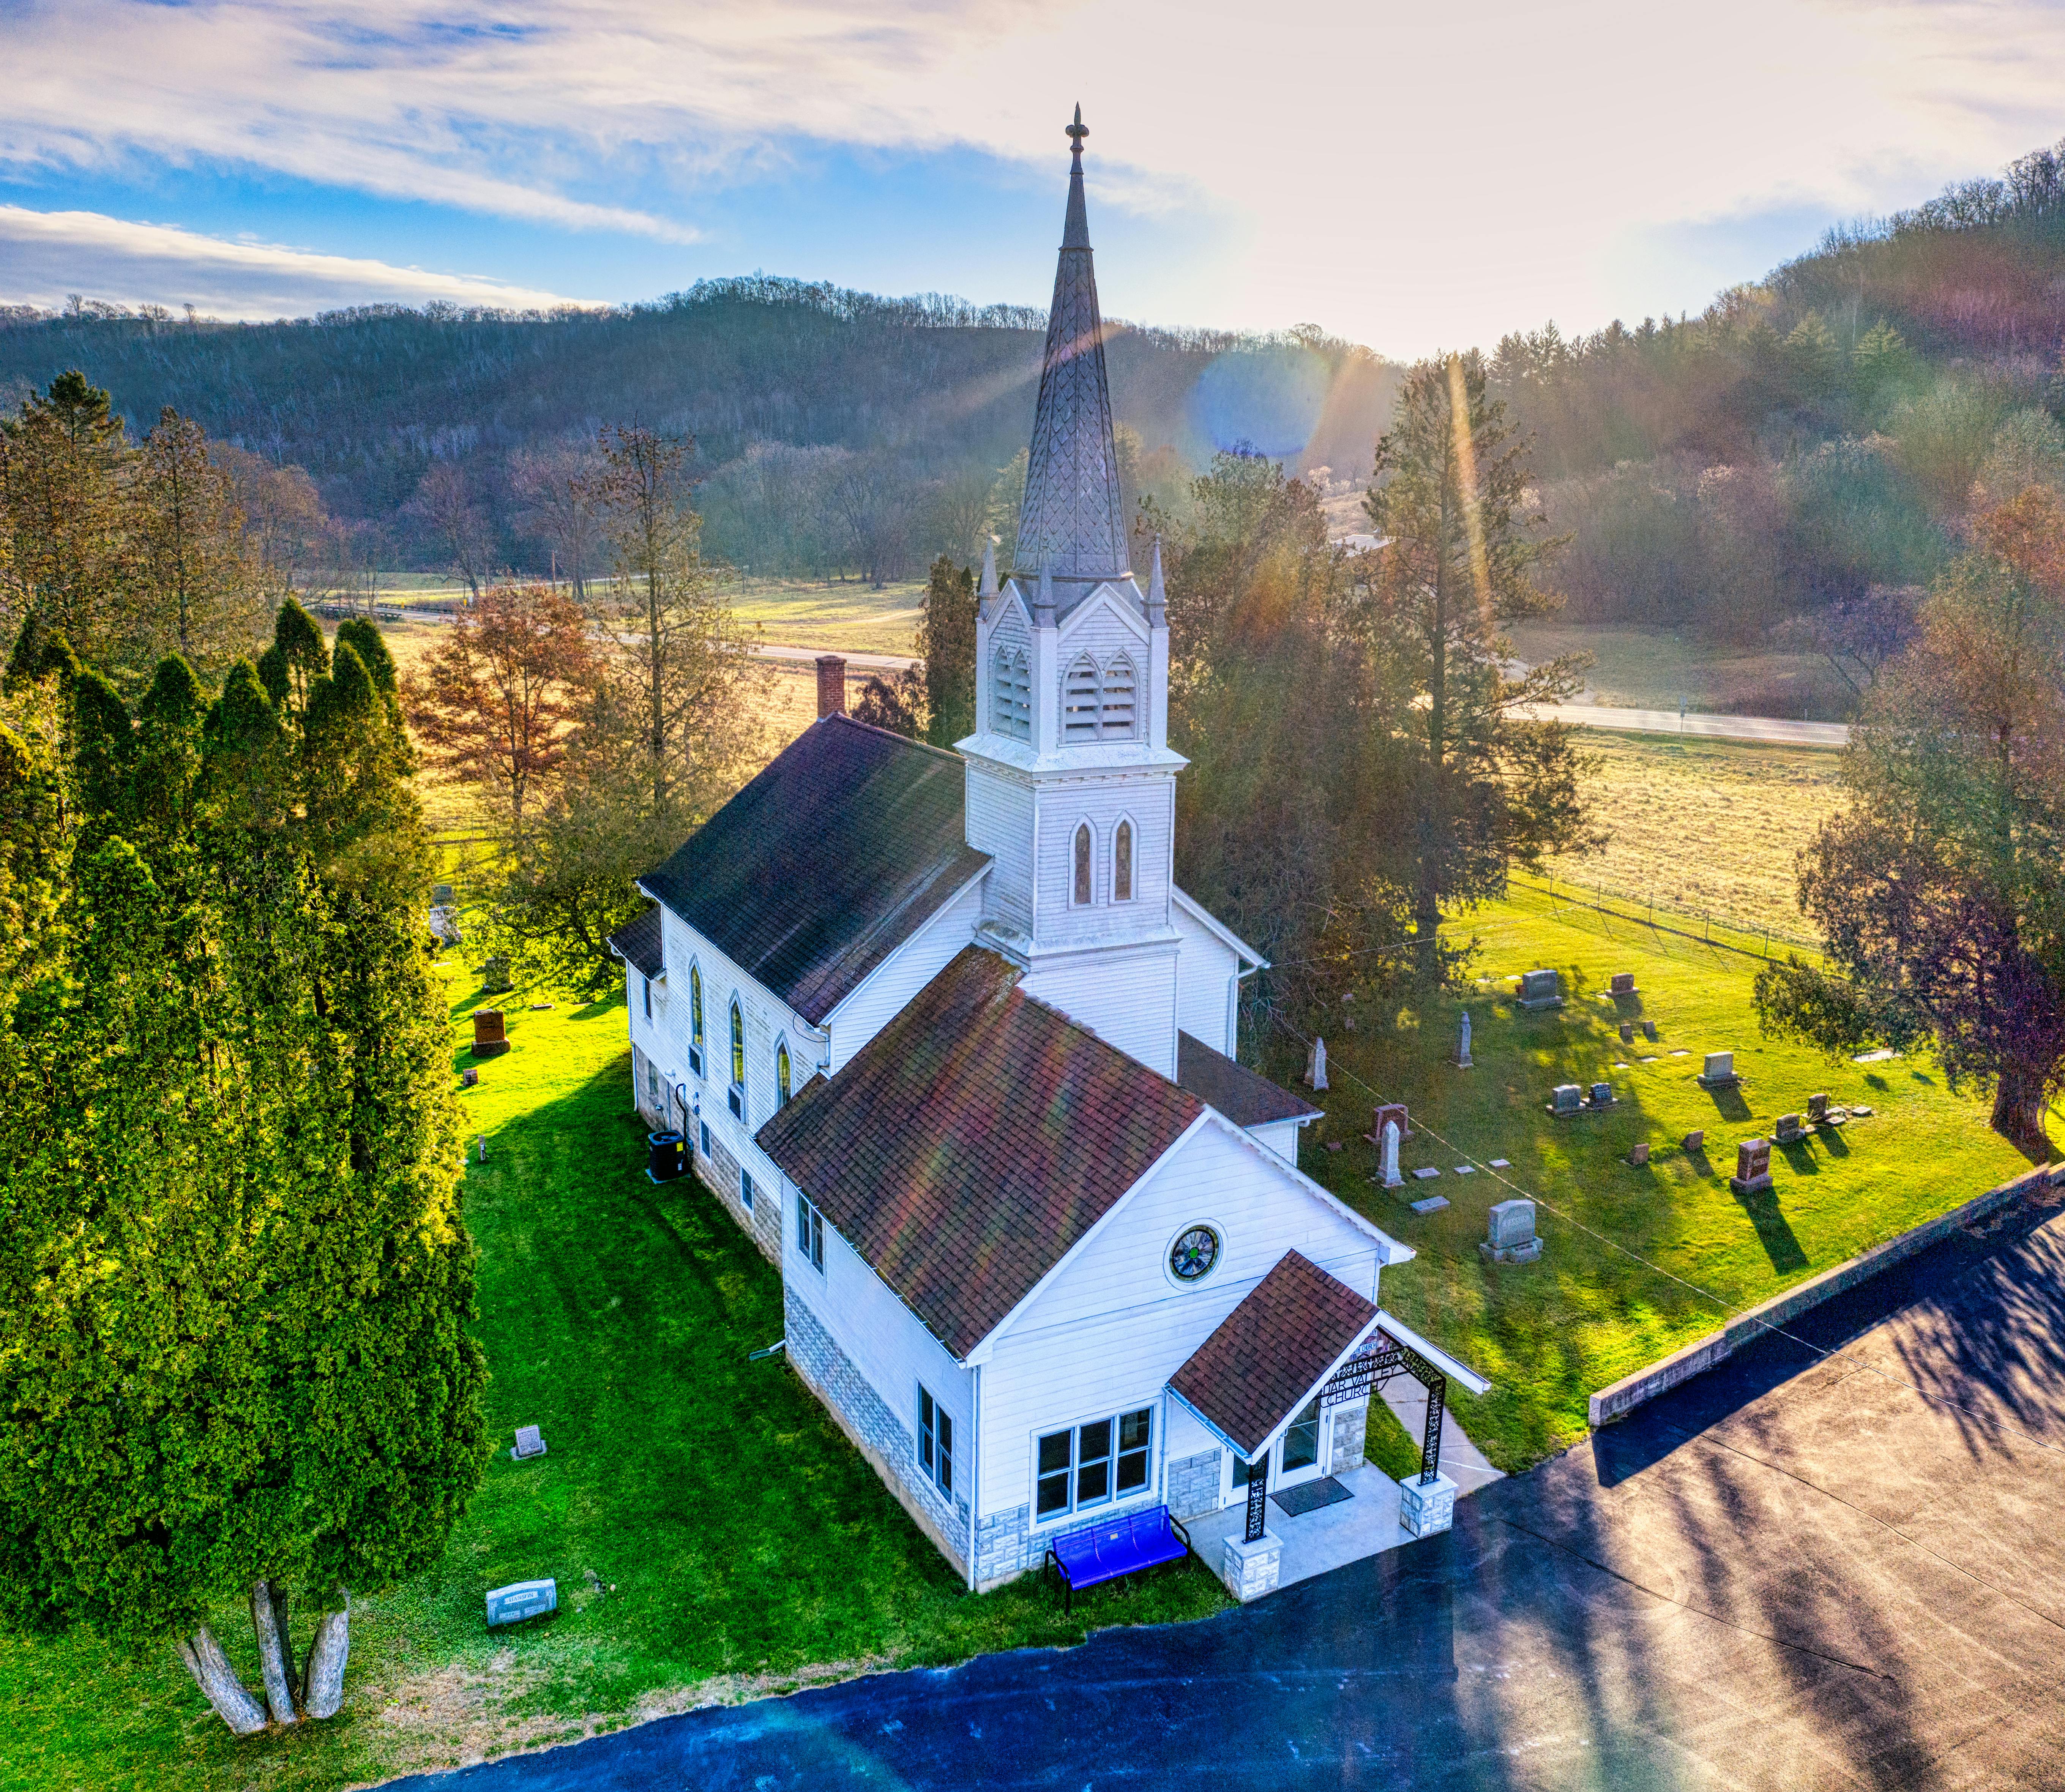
1798	461
836	431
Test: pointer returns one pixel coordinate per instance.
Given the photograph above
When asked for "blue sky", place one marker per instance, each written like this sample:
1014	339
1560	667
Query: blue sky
1408	176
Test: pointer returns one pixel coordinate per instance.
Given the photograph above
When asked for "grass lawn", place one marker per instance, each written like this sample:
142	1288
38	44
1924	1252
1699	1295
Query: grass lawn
1549	1334
737	1544
846	616
1652	668
1743	811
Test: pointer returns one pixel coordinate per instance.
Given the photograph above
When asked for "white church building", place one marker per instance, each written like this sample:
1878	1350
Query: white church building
947	1040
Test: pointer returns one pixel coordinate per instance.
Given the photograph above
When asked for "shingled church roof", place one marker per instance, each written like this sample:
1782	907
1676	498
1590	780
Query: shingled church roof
970	1144
840	850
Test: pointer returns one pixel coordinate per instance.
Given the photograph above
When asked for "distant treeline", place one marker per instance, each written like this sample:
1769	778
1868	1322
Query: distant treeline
912	403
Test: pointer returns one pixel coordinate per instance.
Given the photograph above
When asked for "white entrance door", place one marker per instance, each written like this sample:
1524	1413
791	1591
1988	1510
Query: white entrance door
1300	1450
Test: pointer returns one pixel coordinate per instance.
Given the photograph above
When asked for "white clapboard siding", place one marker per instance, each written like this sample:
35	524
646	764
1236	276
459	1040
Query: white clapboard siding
1206	981
1281	1137
1148	802
1126	996
1000	822
882	1337
886	990
1112	1325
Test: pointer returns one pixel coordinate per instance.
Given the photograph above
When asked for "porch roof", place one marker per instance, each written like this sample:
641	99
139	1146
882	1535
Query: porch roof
1273	1352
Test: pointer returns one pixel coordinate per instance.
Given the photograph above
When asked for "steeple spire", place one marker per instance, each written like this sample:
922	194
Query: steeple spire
1073	527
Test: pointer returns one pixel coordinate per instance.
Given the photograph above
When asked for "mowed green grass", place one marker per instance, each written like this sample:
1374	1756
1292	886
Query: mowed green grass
738	1542
1593	1310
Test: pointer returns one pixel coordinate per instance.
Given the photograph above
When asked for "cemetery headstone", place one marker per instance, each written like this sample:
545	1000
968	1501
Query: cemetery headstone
1433	1203
1649	1030
1623	983
530	1442
1603	1094
469	1078
1639	1157
1720	1070
1696	1141
442	895
1391	1179
1391	1110
1566	1098
1627	1033
1752	1166
1510	1236
1426	1173
1502	1163
1790	1129
1463	1044
489	1039
521	1600
495	977
1543	988
1315	1066
1817	1107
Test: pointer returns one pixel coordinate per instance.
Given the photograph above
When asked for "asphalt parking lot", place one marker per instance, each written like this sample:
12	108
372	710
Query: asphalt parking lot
1800	1570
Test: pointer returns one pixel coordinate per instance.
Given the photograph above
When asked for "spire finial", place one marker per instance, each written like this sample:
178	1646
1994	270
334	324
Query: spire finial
1157	594
1077	132
988	587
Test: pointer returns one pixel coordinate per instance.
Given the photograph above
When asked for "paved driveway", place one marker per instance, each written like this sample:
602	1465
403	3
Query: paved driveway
1791	1572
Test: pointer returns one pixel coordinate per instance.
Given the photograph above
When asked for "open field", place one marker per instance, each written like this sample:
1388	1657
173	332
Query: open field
1656	668
1637	1262
1705	827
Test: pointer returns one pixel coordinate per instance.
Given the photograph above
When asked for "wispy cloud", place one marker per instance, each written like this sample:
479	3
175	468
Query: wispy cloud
52	254
1407	173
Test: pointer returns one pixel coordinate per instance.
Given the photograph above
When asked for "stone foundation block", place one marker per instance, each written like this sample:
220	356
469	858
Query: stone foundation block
1429	1510
1250	1570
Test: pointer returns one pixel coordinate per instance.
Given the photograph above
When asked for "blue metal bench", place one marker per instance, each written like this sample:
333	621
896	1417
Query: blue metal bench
1097	1553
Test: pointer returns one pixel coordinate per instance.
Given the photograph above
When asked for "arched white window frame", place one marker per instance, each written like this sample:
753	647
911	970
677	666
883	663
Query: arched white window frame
1119	701
738	1066
783	1072
696	1018
1127	826
1082	865
1011	693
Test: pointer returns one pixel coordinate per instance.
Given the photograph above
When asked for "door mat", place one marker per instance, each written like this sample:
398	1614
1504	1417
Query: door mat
1310	1497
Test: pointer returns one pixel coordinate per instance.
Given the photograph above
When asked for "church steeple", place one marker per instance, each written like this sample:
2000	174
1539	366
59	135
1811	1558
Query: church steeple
1073	525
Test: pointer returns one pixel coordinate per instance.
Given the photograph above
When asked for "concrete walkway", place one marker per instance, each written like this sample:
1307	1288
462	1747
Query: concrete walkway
1350	1530
1768	731
1462	1461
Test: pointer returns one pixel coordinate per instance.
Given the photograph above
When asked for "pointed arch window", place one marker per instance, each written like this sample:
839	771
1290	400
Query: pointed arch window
1121	862
1011	695
696	1019
737	1059
1116	700
1079	702
1084	852
781	1074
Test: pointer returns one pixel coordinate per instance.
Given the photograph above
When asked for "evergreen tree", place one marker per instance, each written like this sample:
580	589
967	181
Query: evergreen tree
1458	561
945	644
234	1279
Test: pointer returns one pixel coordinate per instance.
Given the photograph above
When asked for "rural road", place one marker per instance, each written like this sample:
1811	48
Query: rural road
1768	731
1800	1569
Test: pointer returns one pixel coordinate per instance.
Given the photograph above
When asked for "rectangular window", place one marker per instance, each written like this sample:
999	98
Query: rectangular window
810	1233
738	1102
1093	1464
746	1190
935	1442
703	1126
652	1083
1301	1439
648	983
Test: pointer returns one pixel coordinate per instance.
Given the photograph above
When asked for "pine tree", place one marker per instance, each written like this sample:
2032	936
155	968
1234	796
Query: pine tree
945	644
234	1278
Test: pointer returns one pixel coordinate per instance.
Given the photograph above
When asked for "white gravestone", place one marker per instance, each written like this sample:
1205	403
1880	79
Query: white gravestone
1463	1044
1315	1066
1391	1179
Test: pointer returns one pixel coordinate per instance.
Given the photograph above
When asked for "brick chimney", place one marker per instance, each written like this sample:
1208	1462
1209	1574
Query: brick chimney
831	686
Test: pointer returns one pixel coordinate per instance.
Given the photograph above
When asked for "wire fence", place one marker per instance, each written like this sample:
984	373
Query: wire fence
1642	909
